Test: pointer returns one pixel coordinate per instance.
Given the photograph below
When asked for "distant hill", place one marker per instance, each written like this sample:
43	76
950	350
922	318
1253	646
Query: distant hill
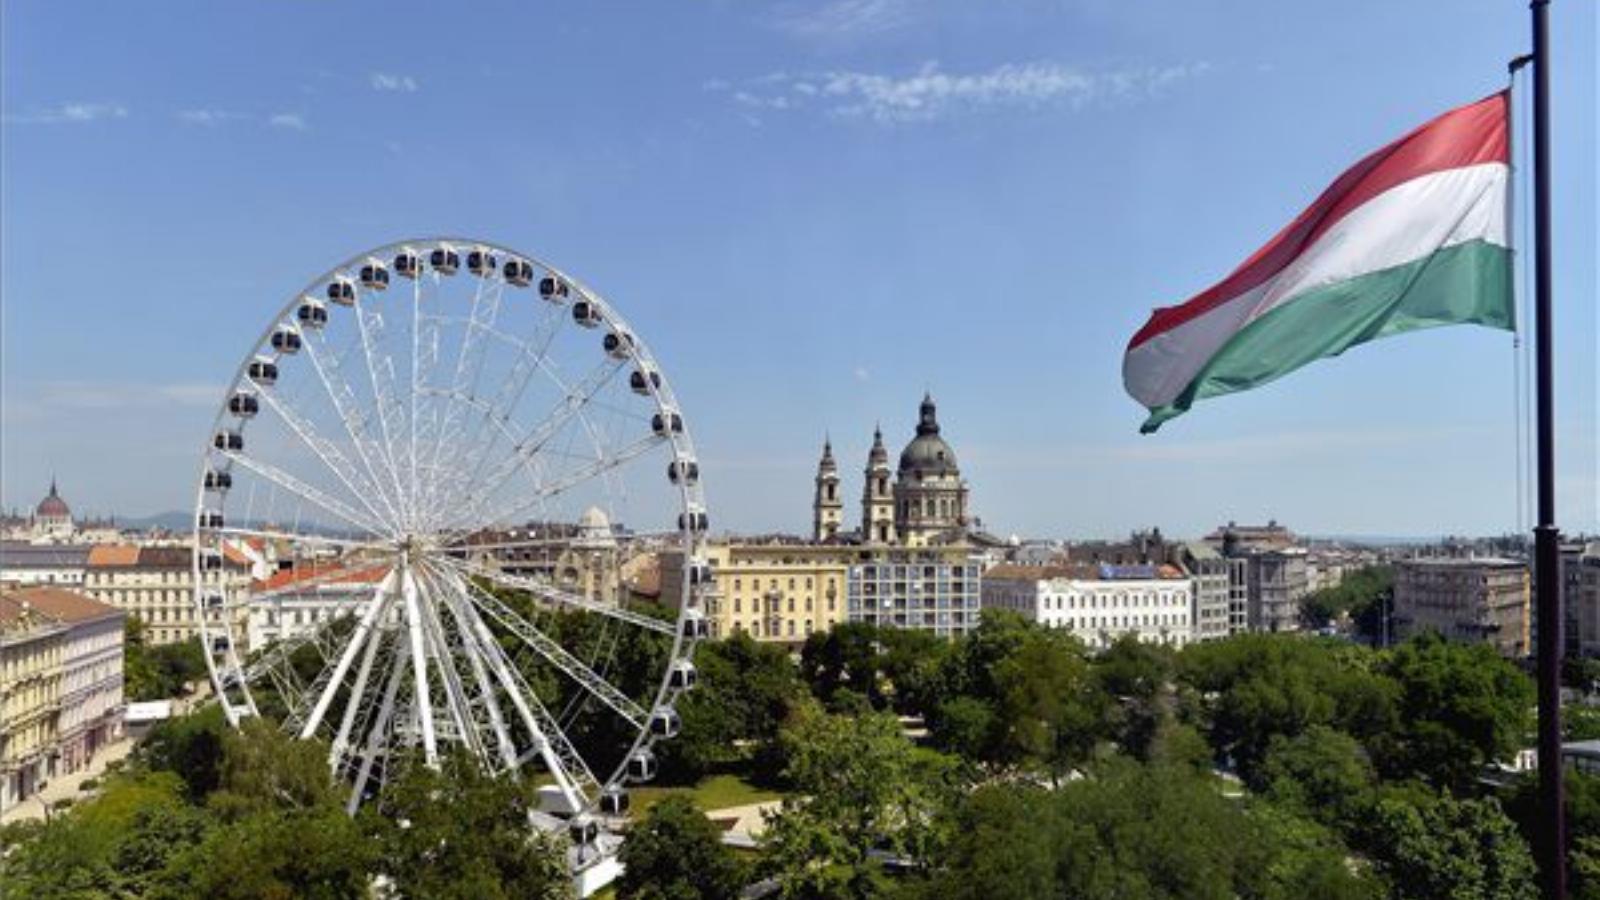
176	520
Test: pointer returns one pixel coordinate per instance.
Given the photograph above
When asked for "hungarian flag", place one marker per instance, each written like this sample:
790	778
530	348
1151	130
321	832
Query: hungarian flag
1413	236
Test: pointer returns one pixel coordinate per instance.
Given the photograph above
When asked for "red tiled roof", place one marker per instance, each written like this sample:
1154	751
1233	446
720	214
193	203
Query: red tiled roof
113	555
67	606
323	574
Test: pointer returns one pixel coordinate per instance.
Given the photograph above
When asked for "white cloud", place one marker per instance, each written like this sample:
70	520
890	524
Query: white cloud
208	116
292	121
931	93
861	374
383	81
843	19
93	395
69	113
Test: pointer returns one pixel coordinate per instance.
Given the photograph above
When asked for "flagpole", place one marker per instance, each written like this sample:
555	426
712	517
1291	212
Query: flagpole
1546	548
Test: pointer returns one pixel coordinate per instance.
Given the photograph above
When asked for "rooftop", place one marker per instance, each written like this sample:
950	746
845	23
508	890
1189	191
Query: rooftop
62	605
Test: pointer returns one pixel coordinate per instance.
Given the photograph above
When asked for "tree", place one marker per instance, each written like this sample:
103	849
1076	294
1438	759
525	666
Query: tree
190	746
844	656
1359	595
1461	707
1250	688
675	853
1136	676
862	787
1050	709
1132	830
457	832
744	693
1322	773
1435	846
319	853
160	671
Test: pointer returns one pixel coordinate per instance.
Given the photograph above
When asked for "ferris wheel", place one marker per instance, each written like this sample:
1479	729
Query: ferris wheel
442	490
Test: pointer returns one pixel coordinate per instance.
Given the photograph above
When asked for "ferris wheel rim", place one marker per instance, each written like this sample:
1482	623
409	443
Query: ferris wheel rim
689	537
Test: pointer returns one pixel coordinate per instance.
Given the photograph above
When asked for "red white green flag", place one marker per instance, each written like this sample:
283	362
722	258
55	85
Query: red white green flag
1413	236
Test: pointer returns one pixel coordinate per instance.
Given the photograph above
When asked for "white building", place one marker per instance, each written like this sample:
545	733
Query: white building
297	600
1098	604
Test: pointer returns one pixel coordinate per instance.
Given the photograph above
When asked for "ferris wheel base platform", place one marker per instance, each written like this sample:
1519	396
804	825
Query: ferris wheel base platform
596	874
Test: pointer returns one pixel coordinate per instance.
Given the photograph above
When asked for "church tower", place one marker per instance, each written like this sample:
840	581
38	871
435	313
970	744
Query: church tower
827	508
930	499
877	496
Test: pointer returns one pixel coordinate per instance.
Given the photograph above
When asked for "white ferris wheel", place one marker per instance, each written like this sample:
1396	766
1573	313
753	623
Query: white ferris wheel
453	472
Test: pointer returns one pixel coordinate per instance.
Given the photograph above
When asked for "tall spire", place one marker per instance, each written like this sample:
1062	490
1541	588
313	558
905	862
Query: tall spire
827	453
928	416
879	452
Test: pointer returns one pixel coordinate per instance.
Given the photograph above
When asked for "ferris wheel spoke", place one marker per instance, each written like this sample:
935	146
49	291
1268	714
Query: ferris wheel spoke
295	537
326	451
314	495
344	403
556	656
548	593
535	438
529	359
469	358
568	480
367	324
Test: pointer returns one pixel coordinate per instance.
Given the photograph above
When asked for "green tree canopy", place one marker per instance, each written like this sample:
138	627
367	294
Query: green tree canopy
675	853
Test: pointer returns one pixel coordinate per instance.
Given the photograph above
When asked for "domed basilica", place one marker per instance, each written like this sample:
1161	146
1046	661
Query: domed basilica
925	504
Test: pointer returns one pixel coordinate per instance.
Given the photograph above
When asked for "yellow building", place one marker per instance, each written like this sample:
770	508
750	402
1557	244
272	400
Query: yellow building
155	585
31	648
778	592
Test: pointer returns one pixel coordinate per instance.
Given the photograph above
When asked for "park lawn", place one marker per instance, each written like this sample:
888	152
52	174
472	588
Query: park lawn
709	793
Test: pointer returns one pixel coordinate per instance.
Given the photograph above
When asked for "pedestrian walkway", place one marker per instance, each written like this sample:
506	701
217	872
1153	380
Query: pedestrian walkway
66	787
743	825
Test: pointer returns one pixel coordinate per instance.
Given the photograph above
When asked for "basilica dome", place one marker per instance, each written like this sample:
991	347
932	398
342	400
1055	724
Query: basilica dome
928	454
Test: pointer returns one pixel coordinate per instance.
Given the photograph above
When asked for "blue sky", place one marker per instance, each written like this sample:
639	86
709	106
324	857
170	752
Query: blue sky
813	211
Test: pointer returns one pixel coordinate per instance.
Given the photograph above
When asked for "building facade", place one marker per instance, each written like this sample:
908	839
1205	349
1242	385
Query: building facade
25	563
775	591
295	601
933	588
1212	591
1276	582
1099	604
31	646
1580	586
154	585
90	691
1464	599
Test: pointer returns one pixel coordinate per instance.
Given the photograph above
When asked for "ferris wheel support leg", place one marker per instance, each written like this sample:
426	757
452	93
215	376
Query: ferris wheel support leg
455	693
375	606
380	727
419	664
342	740
475	653
497	663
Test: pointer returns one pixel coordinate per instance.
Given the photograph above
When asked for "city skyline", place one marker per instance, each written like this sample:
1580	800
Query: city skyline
813	218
